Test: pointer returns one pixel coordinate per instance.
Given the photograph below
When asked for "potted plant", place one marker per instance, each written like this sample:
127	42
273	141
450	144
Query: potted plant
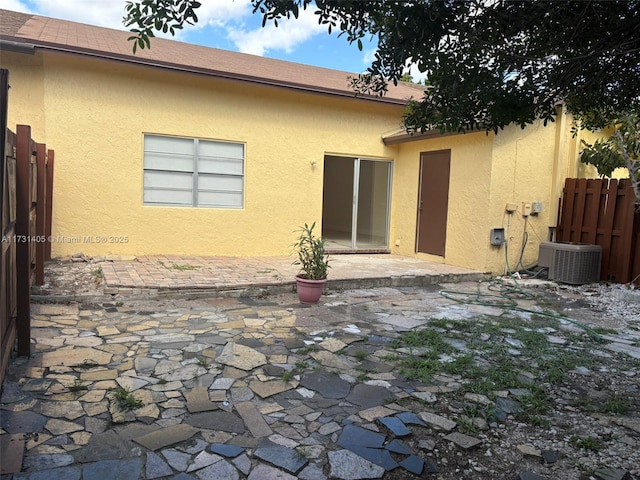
313	262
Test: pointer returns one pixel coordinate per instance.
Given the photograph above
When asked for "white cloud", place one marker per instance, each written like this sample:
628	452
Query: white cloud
416	75
104	13
286	36
219	13
16	6
369	56
232	19
109	13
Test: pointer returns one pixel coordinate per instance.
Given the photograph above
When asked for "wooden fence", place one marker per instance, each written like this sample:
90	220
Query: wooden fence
25	193
602	212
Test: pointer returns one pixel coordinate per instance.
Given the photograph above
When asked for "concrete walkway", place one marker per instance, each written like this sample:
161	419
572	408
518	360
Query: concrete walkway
156	274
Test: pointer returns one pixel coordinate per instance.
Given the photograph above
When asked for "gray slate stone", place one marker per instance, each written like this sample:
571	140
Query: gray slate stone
22	422
156	467
218	420
462	440
166	436
609	473
198	400
65	473
230	451
273	370
354	435
368	396
397	427
550	456
177	459
219	470
438	421
312	472
410	418
508	406
377	456
243	463
202	460
103	446
293	343
114	470
346	465
281	456
266	472
47	461
413	464
398	446
329	385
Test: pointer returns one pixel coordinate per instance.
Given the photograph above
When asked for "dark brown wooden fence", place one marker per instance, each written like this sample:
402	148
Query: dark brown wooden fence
26	192
602	212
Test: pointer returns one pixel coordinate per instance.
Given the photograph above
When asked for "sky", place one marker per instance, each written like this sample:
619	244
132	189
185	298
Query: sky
229	25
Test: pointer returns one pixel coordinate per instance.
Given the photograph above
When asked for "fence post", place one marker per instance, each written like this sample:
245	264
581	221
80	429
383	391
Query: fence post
49	205
23	253
41	159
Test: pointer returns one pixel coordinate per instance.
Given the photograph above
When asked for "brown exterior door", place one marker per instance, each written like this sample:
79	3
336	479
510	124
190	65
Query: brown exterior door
433	201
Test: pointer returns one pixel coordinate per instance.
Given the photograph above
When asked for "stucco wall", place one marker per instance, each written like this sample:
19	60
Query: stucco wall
514	166
97	112
522	172
469	198
27	92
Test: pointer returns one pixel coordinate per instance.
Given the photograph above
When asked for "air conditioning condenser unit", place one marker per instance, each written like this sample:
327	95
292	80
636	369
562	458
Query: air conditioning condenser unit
575	263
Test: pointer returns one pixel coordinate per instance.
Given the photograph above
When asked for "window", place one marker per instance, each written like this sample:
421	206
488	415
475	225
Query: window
192	172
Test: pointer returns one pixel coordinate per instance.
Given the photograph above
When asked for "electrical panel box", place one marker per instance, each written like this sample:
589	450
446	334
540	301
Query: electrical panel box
497	236
536	208
511	207
526	209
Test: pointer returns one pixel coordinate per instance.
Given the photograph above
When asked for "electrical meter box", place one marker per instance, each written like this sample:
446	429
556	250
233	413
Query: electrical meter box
497	236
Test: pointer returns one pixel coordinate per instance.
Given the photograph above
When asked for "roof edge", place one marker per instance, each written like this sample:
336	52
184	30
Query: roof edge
406	137
30	46
403	136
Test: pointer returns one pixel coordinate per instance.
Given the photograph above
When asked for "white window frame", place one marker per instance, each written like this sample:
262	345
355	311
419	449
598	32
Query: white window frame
176	174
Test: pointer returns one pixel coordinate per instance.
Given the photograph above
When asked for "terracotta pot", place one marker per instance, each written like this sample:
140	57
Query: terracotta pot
309	291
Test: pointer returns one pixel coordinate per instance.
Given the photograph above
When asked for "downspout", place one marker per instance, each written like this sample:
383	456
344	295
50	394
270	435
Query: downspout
557	182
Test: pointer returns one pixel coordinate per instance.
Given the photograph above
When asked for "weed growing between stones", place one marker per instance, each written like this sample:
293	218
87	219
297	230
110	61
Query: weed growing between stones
183	268
618	405
86	364
497	355
586	443
361	355
307	350
78	386
203	362
97	274
125	399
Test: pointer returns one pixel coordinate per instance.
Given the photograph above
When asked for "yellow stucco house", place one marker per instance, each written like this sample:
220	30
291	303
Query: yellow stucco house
188	150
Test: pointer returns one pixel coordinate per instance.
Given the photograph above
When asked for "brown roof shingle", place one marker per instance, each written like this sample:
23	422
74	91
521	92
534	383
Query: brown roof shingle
62	35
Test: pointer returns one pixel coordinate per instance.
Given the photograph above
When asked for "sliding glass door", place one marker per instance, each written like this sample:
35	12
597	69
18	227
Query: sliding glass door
356	198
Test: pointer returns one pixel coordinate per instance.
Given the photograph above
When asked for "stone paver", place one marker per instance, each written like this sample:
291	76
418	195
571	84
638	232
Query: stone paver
153	273
166	436
234	387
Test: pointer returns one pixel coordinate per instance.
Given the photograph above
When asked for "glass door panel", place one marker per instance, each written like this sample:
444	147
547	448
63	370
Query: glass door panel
372	207
355	207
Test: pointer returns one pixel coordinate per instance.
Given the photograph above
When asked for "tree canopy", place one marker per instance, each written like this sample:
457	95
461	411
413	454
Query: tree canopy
488	63
620	150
